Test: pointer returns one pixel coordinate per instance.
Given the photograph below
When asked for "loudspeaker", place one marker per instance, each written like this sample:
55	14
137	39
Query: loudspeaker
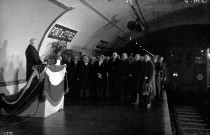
131	25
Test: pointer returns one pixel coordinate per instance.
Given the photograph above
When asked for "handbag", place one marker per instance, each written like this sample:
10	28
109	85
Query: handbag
147	89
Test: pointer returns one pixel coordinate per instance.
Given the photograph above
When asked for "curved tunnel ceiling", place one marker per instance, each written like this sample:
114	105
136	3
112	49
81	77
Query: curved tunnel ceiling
89	18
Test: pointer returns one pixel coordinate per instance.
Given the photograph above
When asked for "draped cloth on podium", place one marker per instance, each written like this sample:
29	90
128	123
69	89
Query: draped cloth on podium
42	96
54	84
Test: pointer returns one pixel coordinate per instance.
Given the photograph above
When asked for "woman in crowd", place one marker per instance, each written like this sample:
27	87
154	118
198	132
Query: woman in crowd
149	90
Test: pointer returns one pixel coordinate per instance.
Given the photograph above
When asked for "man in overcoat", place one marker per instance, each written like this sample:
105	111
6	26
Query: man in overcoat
32	57
113	76
149	90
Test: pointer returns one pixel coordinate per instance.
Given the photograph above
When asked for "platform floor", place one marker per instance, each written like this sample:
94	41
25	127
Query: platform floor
81	117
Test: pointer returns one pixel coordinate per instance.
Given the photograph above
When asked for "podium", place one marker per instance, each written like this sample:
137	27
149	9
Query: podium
42	96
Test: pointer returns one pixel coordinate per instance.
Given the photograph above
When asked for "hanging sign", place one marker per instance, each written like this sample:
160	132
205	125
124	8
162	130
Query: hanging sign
62	33
103	45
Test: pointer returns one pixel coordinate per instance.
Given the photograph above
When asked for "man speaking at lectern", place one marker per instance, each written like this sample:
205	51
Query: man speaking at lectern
32	57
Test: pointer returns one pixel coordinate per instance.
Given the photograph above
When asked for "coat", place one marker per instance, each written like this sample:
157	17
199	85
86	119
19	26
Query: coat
137	74
32	59
100	74
149	76
73	70
85	75
113	71
124	70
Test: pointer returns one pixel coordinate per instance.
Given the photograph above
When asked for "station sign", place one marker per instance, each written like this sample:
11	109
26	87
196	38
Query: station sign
103	45
62	33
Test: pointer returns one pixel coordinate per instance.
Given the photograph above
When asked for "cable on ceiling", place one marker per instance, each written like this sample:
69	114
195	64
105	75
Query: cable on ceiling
147	30
60	4
103	16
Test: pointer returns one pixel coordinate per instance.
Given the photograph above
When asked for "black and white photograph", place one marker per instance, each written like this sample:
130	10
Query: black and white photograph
104	67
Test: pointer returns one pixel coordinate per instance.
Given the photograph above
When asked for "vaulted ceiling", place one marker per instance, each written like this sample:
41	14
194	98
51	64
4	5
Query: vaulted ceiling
107	20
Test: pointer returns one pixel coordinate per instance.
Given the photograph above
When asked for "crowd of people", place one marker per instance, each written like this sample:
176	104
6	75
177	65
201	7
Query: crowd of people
124	78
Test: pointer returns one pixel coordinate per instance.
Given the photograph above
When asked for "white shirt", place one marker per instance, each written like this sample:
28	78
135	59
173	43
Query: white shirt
100	62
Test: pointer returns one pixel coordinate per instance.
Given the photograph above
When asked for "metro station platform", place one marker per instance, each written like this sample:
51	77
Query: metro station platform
86	117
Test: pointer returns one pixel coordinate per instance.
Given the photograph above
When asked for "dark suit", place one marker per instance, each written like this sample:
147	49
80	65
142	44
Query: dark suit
84	79
138	78
32	59
84	75
100	78
124	79
137	73
113	66
100	69
73	77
